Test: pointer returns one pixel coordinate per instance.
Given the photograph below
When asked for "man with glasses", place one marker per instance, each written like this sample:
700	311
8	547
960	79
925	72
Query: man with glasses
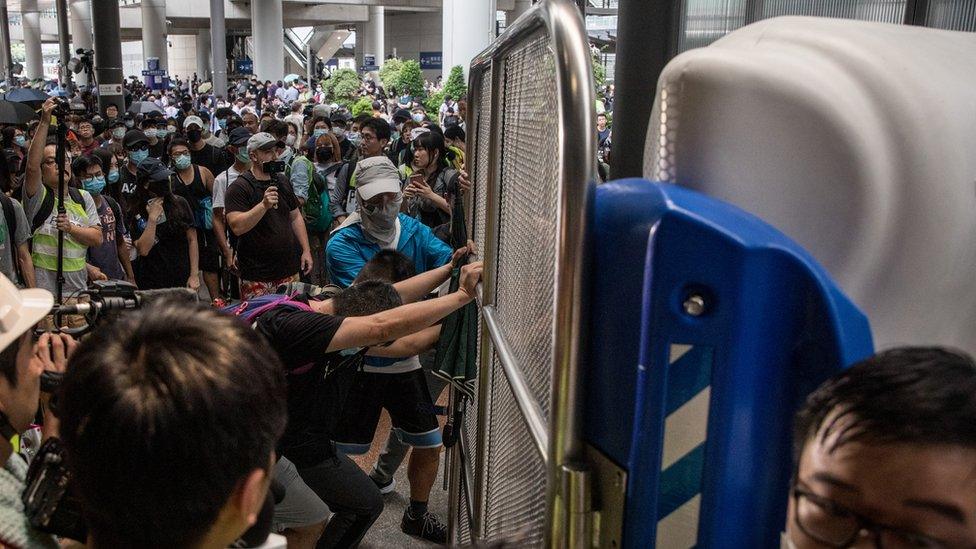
80	223
262	210
375	134
886	455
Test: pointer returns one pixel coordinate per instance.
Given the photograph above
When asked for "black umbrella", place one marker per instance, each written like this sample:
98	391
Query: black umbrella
15	113
144	107
25	95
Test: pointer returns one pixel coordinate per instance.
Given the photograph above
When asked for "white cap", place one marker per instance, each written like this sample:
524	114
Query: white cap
193	120
20	310
376	175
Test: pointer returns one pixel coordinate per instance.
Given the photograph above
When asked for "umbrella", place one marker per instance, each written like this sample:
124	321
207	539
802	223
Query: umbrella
60	92
15	113
25	95
205	87
144	107
291	78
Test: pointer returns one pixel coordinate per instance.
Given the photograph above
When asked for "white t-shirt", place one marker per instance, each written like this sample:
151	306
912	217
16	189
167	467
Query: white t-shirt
221	182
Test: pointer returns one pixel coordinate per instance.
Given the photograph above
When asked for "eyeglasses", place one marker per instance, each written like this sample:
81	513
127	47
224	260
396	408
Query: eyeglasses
139	147
833	525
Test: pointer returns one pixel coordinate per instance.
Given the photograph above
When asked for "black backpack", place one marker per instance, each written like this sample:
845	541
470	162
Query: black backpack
47	206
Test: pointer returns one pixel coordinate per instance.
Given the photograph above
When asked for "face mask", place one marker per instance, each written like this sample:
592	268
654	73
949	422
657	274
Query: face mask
21	141
339	132
151	133
118	133
171	129
417	117
319	133
379	222
324	154
222	123
161	133
130	124
285	155
137	157
182	161
355	138
194	135
242	156
94	185
113	176
290	140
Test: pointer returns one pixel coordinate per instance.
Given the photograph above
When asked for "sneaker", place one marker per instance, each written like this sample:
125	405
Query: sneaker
426	527
385	488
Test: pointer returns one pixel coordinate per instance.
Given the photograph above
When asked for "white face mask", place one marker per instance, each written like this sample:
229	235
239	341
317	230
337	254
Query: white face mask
379	223
290	140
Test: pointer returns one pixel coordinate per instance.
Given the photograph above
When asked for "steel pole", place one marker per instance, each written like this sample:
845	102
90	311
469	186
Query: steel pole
64	75
5	59
218	47
108	55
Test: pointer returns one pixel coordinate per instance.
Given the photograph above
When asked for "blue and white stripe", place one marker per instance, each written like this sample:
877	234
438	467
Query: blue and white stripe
683	455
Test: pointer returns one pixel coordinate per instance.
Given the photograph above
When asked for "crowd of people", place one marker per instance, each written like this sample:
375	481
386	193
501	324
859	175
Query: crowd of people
175	420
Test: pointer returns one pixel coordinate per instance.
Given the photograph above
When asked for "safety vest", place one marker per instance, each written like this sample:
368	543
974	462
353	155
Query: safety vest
45	253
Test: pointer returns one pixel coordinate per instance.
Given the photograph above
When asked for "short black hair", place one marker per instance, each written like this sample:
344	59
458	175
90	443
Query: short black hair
177	142
366	298
164	413
387	265
454	132
912	395
277	128
80	165
380	127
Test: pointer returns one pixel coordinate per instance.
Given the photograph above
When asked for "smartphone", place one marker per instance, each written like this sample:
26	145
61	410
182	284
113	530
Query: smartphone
162	215
274	166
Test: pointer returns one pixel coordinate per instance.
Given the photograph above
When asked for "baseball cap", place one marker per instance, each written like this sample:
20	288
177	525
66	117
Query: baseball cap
401	115
133	138
239	136
193	120
20	310
376	175
261	141
151	169
321	111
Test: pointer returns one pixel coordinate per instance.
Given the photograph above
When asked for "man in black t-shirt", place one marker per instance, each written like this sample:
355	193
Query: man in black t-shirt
202	153
262	210
318	348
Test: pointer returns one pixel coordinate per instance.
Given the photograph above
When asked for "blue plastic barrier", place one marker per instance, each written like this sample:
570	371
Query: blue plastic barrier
709	328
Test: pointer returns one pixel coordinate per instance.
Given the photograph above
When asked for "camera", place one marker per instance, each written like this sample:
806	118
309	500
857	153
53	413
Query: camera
62	108
274	166
106	297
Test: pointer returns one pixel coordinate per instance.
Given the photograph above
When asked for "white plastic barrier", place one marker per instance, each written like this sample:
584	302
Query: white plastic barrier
856	139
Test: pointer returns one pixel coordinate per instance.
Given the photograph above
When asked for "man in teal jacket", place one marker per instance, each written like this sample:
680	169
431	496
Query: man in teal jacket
399	385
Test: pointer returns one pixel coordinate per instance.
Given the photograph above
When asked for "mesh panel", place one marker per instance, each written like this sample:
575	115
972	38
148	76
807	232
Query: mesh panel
662	131
481	161
527	240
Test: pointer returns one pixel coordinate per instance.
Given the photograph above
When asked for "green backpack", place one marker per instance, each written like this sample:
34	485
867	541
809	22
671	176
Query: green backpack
318	217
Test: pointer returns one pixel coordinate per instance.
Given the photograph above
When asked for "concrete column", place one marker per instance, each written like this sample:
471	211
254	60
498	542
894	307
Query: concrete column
269	40
81	32
360	43
374	43
5	58
218	45
108	54
203	56
154	32
34	67
64	75
469	27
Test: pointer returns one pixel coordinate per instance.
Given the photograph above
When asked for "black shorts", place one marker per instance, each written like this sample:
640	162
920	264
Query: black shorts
405	396
209	250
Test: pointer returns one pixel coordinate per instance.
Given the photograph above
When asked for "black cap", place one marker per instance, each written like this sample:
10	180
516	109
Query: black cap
339	117
152	169
238	136
116	122
133	138
401	114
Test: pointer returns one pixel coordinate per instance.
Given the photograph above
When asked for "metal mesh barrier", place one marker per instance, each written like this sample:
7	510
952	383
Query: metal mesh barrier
481	159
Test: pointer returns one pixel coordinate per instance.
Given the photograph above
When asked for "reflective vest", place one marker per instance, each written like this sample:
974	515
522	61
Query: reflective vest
45	252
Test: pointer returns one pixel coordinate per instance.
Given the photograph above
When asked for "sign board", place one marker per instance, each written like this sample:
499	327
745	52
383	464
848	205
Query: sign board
149	72
244	66
110	89
431	60
369	62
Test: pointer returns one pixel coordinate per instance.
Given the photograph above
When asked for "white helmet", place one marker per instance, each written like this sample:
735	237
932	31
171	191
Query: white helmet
20	310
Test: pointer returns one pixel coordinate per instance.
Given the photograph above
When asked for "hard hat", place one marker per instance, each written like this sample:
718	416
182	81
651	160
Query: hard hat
20	310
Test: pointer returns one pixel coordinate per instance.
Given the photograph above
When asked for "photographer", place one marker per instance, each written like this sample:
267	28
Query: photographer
172	445
262	210
21	364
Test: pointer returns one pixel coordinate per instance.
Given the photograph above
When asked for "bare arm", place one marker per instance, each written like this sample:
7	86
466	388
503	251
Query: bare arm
148	238
123	251
298	226
416	287
242	222
411	345
26	265
35	154
89	236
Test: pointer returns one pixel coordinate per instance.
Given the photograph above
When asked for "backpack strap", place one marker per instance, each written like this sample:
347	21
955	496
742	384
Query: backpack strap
116	211
47	206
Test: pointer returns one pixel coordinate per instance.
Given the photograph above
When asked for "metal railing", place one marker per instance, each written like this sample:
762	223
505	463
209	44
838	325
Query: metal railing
531	116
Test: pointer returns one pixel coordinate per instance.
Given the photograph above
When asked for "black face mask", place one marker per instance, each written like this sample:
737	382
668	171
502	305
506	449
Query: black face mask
159	188
194	135
187	107
324	154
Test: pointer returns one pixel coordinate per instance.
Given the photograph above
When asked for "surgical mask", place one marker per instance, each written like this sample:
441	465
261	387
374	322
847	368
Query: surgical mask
94	185
285	155
242	155
113	175
417	117
137	157
222	123
20	141
379	222
355	138
182	161
171	129
161	133
290	140
118	133
151	133
339	132
319	133
130	124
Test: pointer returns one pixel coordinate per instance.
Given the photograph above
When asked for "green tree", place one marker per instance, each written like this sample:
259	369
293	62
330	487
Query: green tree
455	86
343	86
363	106
390	72
599	70
433	103
411	80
